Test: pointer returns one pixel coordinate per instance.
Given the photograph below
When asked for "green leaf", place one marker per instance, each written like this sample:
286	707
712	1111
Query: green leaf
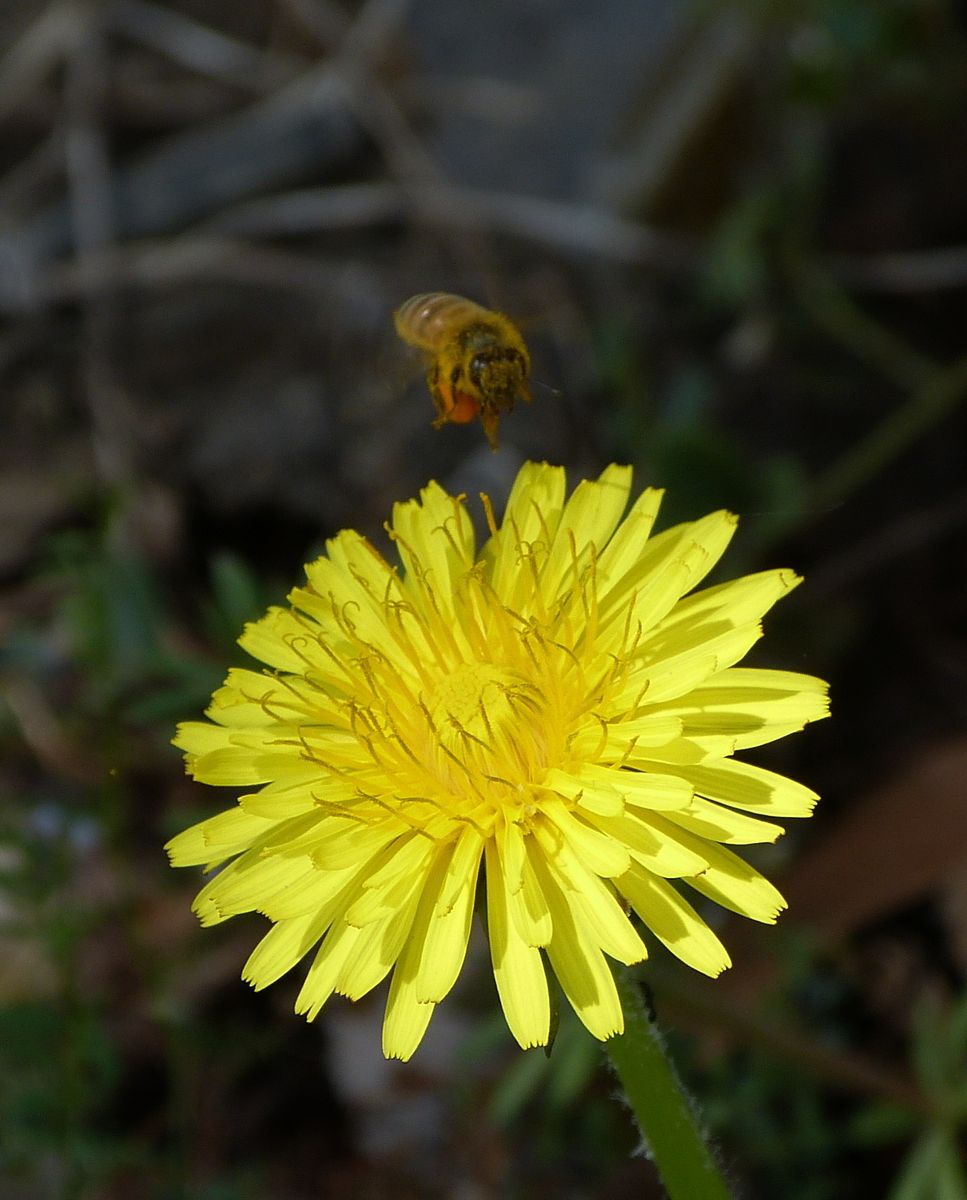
882	1123
518	1086
927	1172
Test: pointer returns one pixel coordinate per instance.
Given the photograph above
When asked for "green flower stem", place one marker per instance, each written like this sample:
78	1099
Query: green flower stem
663	1111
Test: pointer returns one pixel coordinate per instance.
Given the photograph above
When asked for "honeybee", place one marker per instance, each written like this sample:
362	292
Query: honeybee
477	362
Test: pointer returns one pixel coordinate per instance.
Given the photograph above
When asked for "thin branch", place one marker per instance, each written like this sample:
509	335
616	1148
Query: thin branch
913	532
40	48
379	115
375	28
200	48
168	262
902	272
570	228
323	20
844	320
42	730
216	253
934	400
561	226
92	218
42	164
700	1005
312	210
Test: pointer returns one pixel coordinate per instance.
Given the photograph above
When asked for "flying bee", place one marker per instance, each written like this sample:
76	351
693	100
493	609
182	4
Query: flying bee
477	362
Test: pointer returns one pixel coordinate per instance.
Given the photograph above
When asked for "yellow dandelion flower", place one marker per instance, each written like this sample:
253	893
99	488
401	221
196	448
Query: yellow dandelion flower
561	706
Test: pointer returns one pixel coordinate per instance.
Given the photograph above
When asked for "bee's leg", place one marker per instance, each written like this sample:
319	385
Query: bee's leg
433	383
490	419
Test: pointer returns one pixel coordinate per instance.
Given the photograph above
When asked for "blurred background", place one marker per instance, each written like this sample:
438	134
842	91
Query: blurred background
735	237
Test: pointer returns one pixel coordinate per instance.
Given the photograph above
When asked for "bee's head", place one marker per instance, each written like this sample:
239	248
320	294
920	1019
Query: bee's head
500	375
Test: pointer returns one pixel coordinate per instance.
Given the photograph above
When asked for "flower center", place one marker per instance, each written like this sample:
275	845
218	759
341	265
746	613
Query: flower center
486	735
473	704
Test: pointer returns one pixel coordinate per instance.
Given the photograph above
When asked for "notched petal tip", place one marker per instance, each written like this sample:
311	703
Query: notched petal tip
605	1035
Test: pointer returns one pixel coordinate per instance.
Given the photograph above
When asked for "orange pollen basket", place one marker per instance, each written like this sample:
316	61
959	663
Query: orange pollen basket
463	409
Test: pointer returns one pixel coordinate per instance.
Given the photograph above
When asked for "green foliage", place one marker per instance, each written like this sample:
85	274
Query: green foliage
57	1066
113	611
561	1102
559	1077
781	1119
678	442
934	1169
80	859
120	622
237	596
